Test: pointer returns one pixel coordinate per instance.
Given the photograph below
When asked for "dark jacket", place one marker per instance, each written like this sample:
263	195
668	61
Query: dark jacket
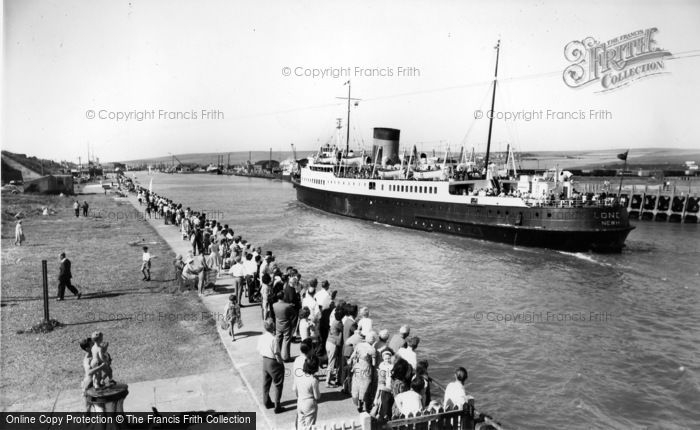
291	296
284	312
64	273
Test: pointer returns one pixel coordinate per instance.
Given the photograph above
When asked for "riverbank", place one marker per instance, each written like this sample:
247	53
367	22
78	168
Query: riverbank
182	367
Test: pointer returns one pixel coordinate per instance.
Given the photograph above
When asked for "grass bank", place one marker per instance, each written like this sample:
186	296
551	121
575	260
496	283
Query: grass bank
154	331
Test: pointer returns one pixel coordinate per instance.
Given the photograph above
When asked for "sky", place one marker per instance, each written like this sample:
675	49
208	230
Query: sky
78	75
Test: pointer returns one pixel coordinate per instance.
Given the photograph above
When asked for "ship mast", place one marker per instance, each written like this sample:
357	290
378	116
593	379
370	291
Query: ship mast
493	102
347	139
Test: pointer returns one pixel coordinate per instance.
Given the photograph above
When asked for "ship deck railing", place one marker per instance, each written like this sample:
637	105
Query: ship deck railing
572	203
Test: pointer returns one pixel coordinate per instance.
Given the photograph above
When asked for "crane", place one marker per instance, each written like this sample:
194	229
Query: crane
179	163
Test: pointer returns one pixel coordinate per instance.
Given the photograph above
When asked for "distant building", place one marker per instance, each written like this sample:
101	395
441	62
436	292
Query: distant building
50	184
266	166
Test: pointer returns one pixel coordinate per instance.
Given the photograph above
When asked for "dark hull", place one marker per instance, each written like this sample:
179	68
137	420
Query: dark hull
567	229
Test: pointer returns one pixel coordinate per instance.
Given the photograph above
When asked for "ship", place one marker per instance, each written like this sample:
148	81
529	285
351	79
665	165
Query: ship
457	199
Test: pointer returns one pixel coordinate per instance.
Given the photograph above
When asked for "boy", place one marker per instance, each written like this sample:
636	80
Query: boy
146	264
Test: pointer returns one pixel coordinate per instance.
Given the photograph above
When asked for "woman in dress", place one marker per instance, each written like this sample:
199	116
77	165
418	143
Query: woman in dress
233	315
19	233
334	343
214	256
364	358
384	400
308	394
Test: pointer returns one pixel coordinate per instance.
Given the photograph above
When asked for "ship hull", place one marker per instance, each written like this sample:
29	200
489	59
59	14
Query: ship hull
567	229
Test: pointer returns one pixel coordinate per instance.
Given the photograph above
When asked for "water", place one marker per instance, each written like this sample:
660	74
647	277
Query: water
550	339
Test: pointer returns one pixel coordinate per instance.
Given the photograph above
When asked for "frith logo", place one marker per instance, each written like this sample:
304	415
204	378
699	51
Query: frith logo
614	63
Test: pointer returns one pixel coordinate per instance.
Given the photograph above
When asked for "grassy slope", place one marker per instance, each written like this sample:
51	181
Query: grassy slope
106	269
35	164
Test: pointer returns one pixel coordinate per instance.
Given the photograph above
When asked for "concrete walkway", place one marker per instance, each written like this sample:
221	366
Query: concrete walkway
334	407
219	391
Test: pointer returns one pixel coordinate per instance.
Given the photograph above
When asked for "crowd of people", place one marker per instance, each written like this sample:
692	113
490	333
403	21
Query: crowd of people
340	345
382	373
215	248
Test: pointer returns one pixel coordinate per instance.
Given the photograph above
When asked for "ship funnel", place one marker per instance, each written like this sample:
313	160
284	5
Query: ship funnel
386	140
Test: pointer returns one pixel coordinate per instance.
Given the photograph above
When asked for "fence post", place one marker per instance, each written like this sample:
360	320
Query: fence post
45	277
366	421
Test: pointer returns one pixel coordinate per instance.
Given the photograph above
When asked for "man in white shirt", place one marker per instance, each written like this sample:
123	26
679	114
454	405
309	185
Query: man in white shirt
146	264
273	366
409	353
322	296
455	393
411	402
250	270
309	301
237	271
265	264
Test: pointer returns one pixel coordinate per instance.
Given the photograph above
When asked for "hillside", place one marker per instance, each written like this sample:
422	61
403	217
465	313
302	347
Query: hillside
31	167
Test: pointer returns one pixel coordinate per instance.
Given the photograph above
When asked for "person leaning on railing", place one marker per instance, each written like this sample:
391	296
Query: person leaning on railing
455	392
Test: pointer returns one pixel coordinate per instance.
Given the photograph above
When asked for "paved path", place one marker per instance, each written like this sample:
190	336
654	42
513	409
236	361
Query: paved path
334	407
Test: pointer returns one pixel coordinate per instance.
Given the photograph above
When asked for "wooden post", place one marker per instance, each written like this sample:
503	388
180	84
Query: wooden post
45	278
685	207
365	421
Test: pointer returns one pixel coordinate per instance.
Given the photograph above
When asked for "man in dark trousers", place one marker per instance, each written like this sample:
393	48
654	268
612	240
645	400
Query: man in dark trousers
273	367
348	331
284	316
64	277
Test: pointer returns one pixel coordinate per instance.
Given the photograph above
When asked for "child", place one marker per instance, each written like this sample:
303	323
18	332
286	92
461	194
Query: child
233	315
100	356
385	369
383	400
146	265
365	322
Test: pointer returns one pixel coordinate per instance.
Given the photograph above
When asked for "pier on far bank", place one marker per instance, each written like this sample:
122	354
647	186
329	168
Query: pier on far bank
659	203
